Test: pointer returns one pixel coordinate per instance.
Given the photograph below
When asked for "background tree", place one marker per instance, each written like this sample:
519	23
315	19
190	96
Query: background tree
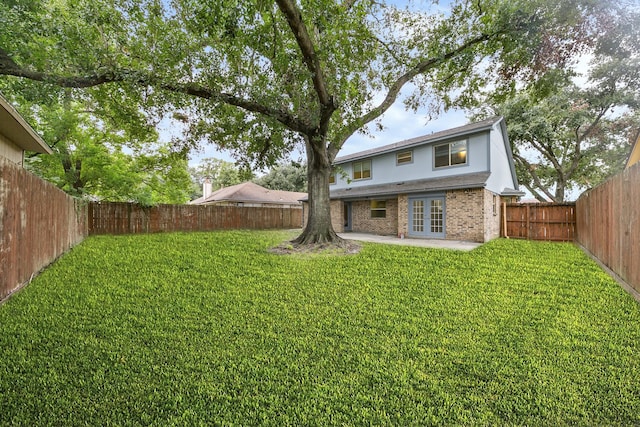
221	173
286	176
565	140
92	159
261	78
569	136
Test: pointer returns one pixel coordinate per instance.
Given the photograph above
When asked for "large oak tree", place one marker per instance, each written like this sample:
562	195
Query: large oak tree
262	77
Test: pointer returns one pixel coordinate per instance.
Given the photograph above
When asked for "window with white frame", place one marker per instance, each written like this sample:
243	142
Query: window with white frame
362	169
450	154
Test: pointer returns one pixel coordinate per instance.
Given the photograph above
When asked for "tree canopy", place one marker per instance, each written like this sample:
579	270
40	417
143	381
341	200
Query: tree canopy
99	159
285	176
261	78
571	128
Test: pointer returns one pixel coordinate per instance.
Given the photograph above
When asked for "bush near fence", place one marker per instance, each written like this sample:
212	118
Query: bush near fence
608	224
39	223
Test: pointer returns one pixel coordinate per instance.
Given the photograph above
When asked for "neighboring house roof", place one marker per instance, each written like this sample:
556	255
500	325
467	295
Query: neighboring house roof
471	180
425	139
634	156
18	131
249	192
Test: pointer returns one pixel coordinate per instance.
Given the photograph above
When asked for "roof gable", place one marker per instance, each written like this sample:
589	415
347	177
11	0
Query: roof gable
249	192
15	128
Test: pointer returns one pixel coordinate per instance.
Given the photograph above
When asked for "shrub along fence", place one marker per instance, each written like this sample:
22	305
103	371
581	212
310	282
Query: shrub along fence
540	221
608	224
125	218
39	223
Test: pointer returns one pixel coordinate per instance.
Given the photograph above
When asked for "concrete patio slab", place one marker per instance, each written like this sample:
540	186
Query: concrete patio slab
425	243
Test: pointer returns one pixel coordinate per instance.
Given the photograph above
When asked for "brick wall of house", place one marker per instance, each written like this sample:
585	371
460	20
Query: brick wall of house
469	216
403	214
465	215
491	215
363	223
337	215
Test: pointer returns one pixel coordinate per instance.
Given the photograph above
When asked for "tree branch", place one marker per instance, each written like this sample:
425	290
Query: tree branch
309	54
534	176
547	152
393	92
9	67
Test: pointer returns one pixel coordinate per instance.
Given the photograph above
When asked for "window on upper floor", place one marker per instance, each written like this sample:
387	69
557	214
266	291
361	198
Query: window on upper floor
450	154
362	169
404	157
378	209
332	177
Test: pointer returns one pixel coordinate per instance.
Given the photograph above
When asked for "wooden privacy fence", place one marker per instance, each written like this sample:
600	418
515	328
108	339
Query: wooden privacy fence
608	224
539	221
39	223
125	218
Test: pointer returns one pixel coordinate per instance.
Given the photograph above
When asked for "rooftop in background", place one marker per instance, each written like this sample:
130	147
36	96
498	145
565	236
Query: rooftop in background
250	193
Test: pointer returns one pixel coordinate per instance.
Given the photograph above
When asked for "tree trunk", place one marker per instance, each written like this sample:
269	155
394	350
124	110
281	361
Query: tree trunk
318	227
561	185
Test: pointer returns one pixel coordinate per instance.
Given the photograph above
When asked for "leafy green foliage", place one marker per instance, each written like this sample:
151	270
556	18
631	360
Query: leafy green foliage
210	328
289	176
114	159
564	138
571	128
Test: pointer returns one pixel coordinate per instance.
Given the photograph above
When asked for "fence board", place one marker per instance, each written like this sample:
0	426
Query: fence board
125	218
608	224
540	221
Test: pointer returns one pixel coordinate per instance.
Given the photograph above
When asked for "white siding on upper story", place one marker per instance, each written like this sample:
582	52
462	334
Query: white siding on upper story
384	169
10	150
501	176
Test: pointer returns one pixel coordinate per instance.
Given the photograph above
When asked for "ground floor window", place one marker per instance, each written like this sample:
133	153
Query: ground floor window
378	209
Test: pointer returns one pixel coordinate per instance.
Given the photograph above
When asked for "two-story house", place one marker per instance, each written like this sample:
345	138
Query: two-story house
447	185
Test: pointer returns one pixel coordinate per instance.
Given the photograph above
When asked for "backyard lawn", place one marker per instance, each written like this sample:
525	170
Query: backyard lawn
211	329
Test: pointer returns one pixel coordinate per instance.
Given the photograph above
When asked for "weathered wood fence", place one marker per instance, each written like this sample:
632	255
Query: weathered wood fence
39	223
125	218
540	221
608	224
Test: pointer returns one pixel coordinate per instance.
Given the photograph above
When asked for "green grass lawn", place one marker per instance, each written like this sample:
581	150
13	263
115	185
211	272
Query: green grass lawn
211	329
